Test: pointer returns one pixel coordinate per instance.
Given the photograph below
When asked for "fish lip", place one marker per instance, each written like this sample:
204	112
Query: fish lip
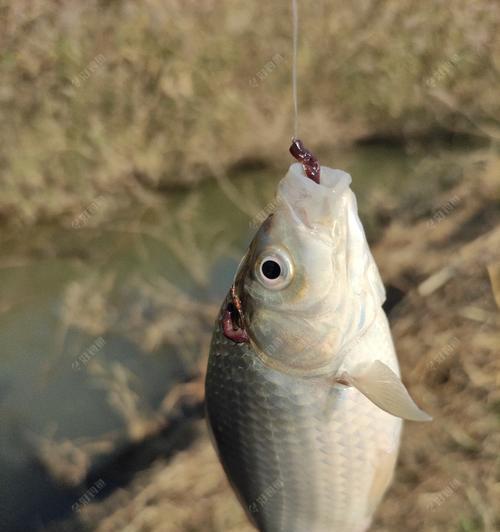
315	206
333	181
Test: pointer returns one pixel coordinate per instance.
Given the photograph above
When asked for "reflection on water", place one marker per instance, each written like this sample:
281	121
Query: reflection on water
98	323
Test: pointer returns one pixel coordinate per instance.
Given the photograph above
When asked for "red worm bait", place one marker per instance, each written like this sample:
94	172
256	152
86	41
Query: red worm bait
308	160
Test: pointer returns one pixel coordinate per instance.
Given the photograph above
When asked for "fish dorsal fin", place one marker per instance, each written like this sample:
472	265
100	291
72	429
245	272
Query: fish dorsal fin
384	388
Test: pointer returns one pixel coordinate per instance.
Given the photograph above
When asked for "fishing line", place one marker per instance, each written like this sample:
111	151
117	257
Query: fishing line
309	162
295	30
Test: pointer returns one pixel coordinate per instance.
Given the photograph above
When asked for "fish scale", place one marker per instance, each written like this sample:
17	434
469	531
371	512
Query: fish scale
275	434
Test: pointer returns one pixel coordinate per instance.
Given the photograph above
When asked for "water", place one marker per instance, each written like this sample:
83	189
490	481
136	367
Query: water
193	240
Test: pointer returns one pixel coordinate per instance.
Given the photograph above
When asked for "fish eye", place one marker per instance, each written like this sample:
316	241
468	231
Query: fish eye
274	269
270	269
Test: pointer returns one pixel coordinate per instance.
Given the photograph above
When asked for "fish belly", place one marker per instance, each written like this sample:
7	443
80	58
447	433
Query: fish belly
303	455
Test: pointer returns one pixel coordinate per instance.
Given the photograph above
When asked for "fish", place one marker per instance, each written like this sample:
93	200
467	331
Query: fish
303	392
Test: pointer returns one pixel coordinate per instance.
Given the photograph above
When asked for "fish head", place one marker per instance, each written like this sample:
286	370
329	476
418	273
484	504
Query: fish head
308	283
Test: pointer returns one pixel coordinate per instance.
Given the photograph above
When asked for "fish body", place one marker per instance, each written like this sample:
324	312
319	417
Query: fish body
299	413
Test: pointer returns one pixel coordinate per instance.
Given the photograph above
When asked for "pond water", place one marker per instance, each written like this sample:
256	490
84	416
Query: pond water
193	240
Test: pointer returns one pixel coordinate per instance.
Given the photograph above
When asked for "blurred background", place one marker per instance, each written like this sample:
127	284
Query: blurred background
140	147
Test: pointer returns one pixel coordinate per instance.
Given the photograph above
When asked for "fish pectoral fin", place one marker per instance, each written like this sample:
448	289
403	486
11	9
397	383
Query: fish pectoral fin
384	388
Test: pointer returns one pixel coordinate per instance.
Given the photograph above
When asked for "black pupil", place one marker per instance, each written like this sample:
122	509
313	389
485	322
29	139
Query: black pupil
271	269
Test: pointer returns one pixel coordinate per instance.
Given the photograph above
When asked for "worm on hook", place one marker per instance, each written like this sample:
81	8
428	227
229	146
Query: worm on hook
308	160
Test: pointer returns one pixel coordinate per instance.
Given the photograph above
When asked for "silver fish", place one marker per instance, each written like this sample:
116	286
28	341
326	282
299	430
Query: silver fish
303	392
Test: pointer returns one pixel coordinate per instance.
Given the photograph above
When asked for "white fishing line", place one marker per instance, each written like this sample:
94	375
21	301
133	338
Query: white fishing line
295	21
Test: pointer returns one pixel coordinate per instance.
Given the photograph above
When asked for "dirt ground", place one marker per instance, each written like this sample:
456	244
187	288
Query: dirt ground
443	276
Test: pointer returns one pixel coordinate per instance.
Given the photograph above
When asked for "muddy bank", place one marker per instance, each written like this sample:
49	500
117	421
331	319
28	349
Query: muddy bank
113	99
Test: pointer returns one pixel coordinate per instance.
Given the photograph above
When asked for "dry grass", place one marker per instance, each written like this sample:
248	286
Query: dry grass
106	99
157	500
447	335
